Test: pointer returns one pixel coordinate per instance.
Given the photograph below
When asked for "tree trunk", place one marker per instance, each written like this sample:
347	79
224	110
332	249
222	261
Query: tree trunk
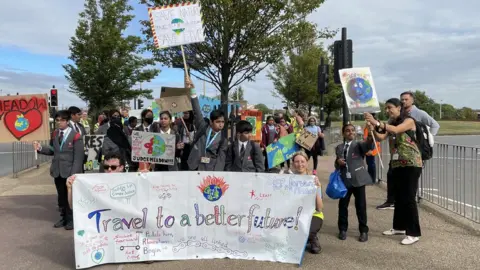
310	110
328	121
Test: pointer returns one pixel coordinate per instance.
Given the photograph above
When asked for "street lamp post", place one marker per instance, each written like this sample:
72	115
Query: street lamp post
441	101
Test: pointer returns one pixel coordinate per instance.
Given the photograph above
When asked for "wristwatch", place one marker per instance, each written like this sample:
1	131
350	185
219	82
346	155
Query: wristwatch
378	124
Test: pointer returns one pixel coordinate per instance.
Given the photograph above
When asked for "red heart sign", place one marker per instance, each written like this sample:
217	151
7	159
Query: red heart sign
21	124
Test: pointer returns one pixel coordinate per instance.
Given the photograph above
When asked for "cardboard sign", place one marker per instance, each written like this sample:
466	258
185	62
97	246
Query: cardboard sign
359	90
24	118
175	104
306	139
255	118
159	216
174	92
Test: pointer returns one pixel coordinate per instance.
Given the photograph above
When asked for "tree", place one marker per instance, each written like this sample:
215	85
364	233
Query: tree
263	108
241	38
295	80
106	64
237	94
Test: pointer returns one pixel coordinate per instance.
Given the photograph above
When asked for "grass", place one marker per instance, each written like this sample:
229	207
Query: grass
446	127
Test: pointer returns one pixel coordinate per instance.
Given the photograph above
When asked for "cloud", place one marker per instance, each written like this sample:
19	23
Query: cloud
426	45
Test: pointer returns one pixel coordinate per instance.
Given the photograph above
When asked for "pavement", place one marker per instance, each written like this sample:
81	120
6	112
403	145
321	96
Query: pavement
28	211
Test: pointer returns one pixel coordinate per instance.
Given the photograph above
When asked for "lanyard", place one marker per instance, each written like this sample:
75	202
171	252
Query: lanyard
209	142
64	139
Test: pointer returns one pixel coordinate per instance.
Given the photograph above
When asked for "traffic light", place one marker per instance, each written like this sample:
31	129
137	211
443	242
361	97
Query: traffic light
139	104
338	62
322	79
53	97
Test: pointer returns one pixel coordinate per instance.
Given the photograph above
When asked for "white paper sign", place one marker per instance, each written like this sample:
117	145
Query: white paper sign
177	25
157	216
359	90
154	148
93	144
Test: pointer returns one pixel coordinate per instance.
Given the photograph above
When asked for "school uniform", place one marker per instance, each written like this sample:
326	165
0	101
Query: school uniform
209	149
355	177
244	157
174	167
67	148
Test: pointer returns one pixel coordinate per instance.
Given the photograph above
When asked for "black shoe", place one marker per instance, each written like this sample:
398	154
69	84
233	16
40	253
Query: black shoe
363	237
69	226
386	206
315	247
342	235
61	223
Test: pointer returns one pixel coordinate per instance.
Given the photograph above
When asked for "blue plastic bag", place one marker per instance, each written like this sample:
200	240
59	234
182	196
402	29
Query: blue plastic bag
336	188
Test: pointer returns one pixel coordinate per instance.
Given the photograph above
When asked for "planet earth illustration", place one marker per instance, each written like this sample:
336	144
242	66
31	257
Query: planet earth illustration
159	146
22	123
177	26
360	90
212	193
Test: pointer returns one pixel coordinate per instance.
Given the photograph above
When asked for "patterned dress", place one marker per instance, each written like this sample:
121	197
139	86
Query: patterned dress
408	153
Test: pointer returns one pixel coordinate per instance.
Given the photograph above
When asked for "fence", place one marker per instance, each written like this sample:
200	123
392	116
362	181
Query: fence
450	179
23	157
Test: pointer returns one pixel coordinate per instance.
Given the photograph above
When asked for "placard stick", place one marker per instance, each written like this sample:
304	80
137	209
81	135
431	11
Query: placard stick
185	125
36	154
376	148
184	61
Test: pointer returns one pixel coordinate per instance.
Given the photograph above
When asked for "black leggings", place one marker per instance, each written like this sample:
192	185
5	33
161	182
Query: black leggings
314	155
405	185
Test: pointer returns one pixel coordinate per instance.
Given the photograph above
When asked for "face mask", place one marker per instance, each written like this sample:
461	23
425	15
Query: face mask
149	120
116	121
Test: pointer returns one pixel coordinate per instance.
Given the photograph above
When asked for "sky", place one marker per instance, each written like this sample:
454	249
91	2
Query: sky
427	45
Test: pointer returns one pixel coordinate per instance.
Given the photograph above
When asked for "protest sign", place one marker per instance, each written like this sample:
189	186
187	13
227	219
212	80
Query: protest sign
135	217
208	104
24	118
176	25
175	104
359	90
255	118
153	147
93	145
282	150
306	139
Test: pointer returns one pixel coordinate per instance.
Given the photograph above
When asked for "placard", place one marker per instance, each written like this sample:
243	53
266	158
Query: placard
134	217
175	104
282	150
93	144
359	90
176	25
154	148
24	118
306	139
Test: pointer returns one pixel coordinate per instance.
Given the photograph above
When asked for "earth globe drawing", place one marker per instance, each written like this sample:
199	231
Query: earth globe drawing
21	124
360	90
212	193
158	147
177	26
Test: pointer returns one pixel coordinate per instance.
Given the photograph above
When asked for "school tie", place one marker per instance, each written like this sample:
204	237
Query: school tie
60	138
76	128
146	129
242	150
345	150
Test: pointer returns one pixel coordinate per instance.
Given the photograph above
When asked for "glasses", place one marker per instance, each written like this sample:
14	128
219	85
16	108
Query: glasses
113	167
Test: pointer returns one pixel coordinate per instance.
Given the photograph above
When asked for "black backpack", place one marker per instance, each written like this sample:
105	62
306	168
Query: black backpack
422	135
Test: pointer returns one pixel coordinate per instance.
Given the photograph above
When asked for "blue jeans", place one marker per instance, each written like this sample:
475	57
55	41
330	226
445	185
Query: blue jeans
372	170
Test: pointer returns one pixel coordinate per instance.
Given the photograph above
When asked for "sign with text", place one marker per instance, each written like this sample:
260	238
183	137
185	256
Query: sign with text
93	145
176	25
306	139
131	217
175	104
24	118
154	148
281	150
359	90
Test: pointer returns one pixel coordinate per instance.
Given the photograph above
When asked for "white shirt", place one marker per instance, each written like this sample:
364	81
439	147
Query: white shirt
75	127
168	131
240	146
147	128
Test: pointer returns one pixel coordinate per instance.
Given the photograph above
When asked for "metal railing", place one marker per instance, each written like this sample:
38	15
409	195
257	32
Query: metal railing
23	157
450	179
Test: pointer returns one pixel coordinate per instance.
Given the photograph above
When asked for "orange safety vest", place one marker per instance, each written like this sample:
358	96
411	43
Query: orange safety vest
374	151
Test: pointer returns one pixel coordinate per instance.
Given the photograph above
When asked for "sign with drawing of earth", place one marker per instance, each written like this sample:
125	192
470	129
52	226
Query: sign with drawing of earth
177	26
253	121
282	150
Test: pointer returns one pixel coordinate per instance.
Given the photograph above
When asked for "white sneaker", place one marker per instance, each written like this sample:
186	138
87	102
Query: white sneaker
290	171
393	232
410	240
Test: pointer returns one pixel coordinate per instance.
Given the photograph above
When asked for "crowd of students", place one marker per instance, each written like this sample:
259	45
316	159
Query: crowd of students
201	146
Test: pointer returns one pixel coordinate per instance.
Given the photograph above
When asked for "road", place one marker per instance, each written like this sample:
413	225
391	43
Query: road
450	178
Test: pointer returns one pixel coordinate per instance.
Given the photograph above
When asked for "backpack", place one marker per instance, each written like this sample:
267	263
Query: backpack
423	139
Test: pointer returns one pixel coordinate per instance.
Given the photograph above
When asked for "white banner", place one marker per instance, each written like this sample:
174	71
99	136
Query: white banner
176	25
359	90
155	148
132	217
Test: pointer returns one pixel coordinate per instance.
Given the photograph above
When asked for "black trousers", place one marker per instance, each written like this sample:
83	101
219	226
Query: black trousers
360	207
315	227
65	210
405	215
390	186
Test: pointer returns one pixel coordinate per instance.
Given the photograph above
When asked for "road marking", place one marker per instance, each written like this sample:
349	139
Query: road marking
429	189
453	201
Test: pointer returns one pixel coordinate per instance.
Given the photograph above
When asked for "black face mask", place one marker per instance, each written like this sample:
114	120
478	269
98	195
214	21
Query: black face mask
116	121
149	120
